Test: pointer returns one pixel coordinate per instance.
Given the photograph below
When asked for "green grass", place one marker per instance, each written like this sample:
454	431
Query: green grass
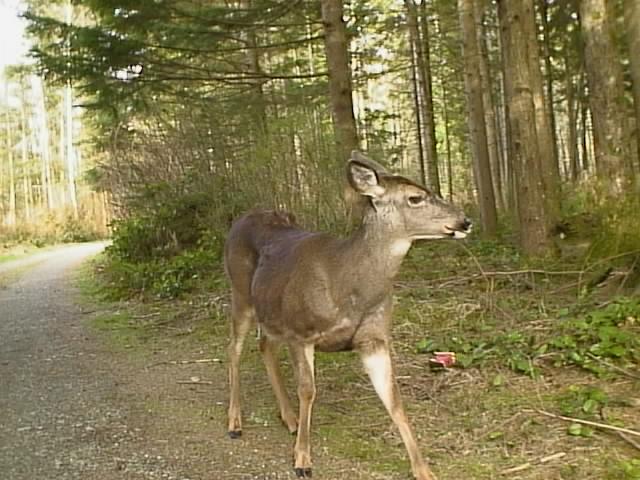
473	422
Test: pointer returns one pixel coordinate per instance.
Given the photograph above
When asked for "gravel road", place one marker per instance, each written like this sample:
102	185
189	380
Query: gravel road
52	393
73	406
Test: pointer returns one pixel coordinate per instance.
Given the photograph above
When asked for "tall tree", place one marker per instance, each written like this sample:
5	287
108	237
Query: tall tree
418	25
340	91
476	118
480	7
632	22
611	131
544	131
534	231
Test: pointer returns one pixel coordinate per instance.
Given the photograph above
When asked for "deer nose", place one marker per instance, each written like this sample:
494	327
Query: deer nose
466	225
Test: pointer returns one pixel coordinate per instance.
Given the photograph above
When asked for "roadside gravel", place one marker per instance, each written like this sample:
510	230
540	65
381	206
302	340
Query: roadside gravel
73	406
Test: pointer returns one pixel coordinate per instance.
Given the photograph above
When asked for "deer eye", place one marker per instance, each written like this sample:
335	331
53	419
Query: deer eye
416	200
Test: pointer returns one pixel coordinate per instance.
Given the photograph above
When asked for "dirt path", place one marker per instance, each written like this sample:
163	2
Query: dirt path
75	405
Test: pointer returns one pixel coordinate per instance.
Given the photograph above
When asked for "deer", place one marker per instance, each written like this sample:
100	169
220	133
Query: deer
313	291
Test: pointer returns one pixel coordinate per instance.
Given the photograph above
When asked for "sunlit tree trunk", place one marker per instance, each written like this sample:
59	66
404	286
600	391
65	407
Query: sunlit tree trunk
487	101
70	157
9	140
44	144
546	43
418	116
534	229
476	119
632	22
426	83
612	134
337	51
572	123
544	132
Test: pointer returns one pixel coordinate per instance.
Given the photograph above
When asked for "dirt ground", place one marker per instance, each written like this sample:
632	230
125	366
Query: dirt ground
80	401
92	389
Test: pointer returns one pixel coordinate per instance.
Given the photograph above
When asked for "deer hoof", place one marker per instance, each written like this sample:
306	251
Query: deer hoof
234	434
303	472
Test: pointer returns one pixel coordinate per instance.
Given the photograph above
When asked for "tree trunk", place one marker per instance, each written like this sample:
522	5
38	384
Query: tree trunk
416	103
476	119
69	157
533	226
11	218
447	140
337	52
45	147
544	13
572	120
487	101
632	22
612	135
544	132
429	123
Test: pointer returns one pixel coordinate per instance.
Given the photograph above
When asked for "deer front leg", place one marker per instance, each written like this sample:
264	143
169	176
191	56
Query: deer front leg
377	362
302	357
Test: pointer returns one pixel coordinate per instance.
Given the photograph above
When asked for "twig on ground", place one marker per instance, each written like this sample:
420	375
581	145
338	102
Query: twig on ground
141	317
603	426
613	367
550	458
194	382
519	468
624	437
185	362
524	466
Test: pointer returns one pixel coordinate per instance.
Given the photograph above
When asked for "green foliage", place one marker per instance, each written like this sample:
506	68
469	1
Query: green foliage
607	333
583	401
627	469
163	277
592	216
513	348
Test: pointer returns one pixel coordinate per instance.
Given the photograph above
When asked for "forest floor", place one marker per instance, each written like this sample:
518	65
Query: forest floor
164	363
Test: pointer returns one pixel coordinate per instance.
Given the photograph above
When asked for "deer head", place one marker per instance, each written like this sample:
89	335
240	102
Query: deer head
410	210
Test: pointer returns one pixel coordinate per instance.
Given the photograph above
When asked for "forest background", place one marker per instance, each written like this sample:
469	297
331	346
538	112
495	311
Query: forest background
156	123
164	120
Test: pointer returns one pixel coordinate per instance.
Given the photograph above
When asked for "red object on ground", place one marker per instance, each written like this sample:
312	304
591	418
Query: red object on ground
443	359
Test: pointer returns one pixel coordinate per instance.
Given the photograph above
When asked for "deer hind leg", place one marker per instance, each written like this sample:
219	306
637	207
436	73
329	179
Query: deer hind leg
242	318
377	362
302	358
269	351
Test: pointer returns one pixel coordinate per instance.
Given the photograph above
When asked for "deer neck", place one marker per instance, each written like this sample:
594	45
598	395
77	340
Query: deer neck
378	246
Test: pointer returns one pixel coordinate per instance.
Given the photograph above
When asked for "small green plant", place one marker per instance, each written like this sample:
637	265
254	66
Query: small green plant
513	348
628	469
582	402
609	333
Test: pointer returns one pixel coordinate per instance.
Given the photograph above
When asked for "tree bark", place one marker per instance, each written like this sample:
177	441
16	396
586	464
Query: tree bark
572	121
632	23
429	123
337	51
487	101
11	218
546	42
533	227
544	131
611	132
418	116
476	119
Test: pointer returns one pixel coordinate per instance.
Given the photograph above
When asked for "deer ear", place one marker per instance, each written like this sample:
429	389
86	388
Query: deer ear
359	157
364	179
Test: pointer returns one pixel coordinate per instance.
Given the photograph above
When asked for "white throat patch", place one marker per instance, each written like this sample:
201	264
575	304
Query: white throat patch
400	247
